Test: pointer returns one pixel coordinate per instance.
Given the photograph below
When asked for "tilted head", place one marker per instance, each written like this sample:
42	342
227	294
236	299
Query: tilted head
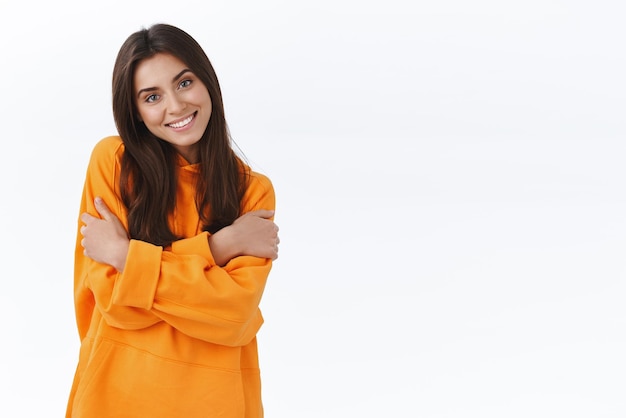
144	44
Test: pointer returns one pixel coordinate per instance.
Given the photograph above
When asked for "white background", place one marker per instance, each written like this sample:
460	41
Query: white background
450	191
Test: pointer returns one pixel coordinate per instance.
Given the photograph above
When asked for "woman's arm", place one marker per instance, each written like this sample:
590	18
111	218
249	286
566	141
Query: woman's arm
106	241
185	286
92	280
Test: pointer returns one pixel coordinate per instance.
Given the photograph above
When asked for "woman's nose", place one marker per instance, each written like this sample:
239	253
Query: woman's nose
175	105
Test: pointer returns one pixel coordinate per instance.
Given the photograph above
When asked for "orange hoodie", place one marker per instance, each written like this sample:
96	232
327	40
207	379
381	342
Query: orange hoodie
174	335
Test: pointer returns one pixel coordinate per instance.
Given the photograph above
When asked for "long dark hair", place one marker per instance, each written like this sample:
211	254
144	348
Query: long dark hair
148	176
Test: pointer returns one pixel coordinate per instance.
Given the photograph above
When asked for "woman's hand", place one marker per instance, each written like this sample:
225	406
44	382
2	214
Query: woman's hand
104	239
253	233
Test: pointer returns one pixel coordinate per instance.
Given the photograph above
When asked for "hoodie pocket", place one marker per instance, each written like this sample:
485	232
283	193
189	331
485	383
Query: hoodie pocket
124	382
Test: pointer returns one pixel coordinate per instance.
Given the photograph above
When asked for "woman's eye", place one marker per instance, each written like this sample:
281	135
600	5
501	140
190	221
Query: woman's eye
152	98
184	83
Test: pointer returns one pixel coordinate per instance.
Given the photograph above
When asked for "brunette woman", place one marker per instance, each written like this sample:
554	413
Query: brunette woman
176	241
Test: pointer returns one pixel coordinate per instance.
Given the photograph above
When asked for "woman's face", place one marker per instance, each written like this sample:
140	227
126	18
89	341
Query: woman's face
172	102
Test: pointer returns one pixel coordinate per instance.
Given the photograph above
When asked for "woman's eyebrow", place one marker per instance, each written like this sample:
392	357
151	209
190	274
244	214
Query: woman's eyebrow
146	90
176	77
179	75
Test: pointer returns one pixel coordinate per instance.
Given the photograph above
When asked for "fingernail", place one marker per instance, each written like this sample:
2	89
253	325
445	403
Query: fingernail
98	200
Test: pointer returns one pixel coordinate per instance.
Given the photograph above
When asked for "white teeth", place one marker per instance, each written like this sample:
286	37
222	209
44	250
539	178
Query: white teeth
181	123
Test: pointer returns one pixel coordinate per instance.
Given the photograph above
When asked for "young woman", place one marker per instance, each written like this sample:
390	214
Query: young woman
175	243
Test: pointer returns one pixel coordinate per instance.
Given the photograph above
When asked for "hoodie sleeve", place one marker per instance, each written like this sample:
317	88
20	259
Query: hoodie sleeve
183	286
188	290
91	279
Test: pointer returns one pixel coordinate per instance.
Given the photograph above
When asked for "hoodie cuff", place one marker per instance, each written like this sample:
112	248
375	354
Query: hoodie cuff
136	285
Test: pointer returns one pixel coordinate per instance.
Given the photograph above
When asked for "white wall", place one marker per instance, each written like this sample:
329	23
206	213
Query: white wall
450	186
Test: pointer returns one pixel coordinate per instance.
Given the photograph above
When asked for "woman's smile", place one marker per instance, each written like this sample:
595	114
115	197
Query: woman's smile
180	124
